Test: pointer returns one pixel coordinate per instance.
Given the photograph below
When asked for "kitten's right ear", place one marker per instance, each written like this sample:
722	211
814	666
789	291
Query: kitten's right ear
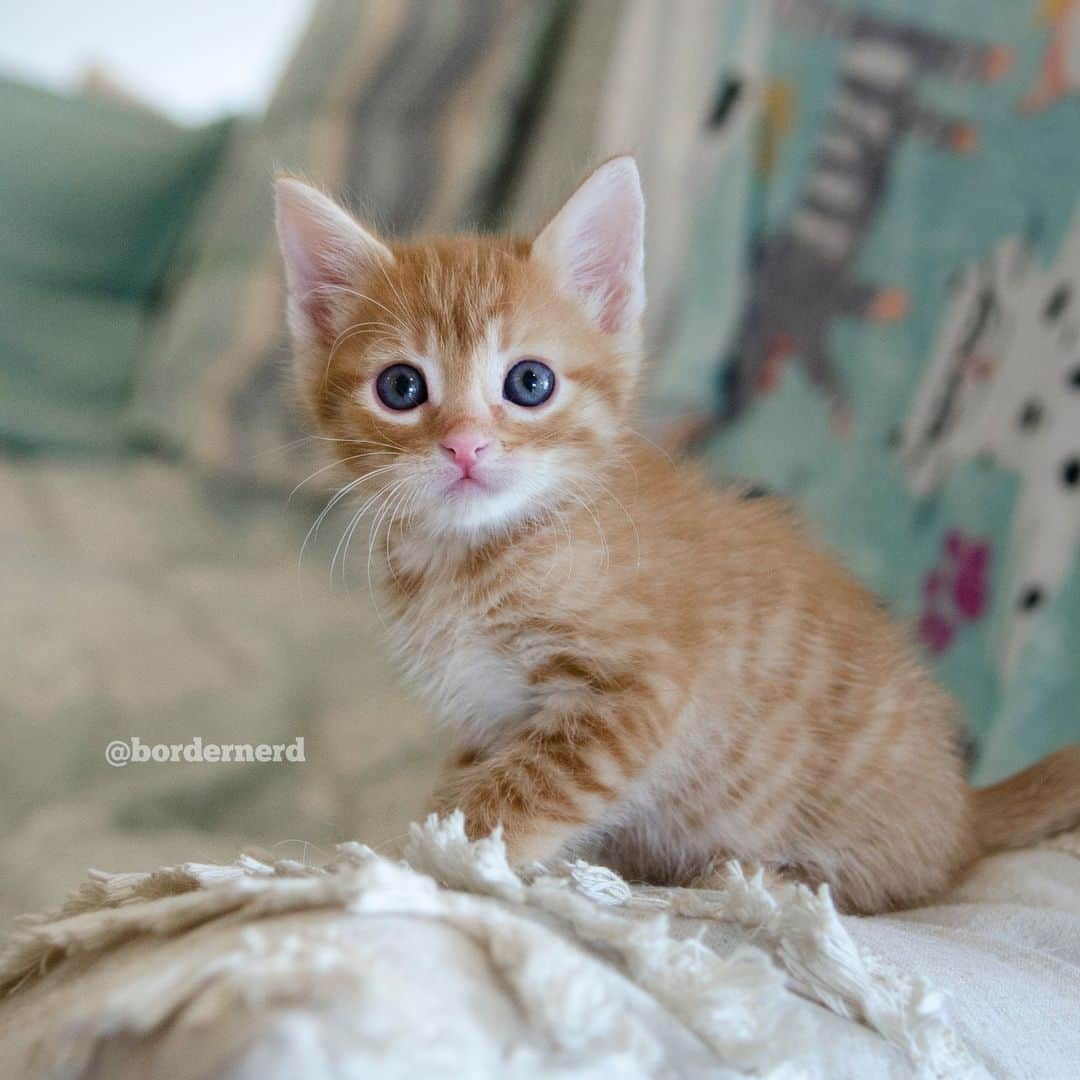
326	253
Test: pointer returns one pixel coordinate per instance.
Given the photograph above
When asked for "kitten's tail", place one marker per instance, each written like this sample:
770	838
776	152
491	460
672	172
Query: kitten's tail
1038	802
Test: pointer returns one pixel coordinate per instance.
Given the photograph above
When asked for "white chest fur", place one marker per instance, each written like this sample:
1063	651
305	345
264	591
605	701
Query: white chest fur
458	667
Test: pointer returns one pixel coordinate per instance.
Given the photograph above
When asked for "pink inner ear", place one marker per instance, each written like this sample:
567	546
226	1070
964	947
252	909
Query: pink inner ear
320	303
608	280
315	272
325	251
601	241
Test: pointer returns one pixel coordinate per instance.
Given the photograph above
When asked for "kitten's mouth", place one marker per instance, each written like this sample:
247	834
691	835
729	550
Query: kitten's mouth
469	485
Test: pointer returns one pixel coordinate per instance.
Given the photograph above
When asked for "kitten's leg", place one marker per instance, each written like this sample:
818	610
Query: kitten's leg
560	776
462	757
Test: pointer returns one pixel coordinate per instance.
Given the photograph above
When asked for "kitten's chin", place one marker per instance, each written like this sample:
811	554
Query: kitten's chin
471	508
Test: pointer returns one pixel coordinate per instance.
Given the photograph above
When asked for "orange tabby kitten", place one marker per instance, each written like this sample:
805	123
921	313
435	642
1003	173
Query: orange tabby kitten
637	667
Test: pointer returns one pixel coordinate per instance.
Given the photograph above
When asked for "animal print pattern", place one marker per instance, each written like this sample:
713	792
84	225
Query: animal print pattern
805	276
1003	385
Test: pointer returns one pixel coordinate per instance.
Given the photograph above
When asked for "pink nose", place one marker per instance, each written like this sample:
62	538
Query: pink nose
465	448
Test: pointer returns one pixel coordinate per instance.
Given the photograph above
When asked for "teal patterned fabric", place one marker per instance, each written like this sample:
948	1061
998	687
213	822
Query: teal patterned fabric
896	342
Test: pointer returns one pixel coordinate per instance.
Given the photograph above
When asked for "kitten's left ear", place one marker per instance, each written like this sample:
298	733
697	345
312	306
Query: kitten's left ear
326	255
595	246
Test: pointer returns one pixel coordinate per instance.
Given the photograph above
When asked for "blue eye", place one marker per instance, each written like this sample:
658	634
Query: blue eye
401	387
529	383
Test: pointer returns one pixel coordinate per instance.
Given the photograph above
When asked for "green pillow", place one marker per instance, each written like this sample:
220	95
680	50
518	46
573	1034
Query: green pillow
93	199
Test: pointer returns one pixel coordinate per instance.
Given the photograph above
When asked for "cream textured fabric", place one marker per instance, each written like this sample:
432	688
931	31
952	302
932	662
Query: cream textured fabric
449	963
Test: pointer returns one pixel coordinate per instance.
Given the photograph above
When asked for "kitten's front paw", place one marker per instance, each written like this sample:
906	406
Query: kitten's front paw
489	796
464	792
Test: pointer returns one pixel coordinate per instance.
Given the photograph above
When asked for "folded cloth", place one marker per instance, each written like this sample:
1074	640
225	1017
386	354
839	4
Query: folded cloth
449	962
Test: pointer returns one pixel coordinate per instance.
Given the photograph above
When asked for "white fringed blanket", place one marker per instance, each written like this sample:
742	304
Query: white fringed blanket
450	964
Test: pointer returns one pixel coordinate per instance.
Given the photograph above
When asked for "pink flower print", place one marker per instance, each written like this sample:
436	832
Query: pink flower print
934	584
936	632
969	586
956	591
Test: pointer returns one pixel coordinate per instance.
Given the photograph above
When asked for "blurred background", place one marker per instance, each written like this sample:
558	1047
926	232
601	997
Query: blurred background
863	264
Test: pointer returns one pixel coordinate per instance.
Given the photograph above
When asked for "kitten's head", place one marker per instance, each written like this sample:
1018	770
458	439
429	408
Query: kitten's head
475	381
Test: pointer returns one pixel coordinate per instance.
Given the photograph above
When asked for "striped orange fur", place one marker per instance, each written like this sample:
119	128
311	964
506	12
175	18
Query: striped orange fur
637	667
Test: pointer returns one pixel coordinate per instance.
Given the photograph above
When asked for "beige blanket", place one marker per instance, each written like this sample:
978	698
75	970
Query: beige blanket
449	964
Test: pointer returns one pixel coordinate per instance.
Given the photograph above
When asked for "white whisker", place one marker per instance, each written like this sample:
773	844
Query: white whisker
371	545
333	465
588	508
335	499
